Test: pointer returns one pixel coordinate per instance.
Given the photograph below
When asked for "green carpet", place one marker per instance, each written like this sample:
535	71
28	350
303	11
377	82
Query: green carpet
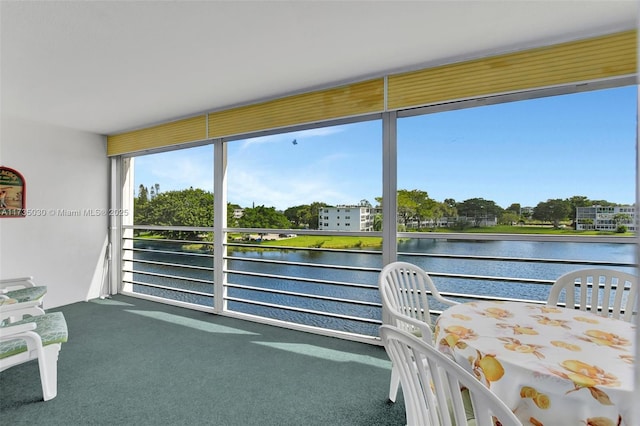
134	362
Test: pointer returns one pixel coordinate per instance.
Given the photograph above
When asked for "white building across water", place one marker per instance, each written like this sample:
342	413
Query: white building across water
605	218
346	218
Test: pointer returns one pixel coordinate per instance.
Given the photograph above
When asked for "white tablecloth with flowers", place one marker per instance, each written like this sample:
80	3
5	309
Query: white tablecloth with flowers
552	366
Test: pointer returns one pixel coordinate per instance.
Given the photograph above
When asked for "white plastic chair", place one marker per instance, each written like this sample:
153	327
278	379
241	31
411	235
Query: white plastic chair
435	388
20	297
38	338
405	289
604	292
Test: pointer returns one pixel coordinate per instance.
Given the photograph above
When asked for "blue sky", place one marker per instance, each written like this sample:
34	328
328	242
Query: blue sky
519	152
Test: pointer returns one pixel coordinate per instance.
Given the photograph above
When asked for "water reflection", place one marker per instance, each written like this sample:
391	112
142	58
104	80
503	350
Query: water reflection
194	272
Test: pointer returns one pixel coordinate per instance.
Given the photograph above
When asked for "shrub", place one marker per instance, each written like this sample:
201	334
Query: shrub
621	229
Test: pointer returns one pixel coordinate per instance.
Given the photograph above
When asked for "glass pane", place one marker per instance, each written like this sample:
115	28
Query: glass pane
282	181
526	166
174	188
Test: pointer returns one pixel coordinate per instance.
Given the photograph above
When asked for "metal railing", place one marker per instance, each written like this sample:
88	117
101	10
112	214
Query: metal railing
331	291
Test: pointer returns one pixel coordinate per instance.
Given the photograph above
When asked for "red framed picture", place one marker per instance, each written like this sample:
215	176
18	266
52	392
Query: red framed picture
12	193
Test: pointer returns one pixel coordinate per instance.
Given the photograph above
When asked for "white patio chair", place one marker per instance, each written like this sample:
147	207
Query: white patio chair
436	390
604	292
405	289
20	297
38	338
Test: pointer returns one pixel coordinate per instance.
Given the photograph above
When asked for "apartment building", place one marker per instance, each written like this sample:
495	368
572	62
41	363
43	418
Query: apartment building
346	218
605	218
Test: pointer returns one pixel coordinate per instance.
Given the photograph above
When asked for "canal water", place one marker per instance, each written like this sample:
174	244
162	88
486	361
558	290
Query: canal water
360	286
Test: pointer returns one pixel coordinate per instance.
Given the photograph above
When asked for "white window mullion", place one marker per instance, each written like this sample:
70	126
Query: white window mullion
219	224
389	187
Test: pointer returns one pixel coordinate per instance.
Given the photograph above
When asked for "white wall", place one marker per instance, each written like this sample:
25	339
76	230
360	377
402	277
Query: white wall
63	169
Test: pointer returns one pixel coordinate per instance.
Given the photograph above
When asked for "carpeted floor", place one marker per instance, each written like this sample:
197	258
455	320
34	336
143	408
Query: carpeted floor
134	362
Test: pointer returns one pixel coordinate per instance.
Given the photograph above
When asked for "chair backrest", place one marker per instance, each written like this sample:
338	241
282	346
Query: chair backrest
605	292
405	290
434	386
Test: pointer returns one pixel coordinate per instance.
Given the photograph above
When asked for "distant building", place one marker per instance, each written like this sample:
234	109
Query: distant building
526	211
599	218
346	218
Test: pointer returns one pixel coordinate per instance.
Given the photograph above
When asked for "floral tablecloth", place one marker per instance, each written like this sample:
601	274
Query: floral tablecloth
552	366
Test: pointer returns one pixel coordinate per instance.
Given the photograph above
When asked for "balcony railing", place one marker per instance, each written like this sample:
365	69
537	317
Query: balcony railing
334	291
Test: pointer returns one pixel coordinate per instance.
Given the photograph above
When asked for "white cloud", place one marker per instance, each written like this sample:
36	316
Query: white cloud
176	170
282	191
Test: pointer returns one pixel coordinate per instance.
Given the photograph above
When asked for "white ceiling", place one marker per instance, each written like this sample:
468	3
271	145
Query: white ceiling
110	66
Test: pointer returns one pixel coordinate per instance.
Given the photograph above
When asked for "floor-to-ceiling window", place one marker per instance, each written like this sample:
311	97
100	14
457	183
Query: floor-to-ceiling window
169	252
529	178
302	220
533	147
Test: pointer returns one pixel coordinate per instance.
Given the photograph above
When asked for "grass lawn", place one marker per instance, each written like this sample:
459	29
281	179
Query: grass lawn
339	242
507	229
336	242
345	242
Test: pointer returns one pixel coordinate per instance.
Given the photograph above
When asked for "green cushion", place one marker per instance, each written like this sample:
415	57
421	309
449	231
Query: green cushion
28	294
51	327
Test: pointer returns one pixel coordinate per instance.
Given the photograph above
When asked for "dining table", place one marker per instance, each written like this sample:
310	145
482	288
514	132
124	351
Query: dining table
551	365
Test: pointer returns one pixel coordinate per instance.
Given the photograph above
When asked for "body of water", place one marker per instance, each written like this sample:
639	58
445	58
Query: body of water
247	292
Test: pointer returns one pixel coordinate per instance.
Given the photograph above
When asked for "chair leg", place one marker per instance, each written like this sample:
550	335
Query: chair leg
48	364
394	385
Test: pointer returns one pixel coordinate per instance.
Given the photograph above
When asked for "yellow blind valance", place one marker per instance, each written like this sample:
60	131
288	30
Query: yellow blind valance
598	58
584	60
348	101
174	133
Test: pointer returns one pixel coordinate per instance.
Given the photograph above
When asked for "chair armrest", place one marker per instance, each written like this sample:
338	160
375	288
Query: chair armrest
449	302
408	323
17	339
4	307
7	284
13	331
17	311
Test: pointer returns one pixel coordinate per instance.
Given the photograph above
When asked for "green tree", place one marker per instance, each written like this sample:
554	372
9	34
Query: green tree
407	207
515	208
143	194
446	209
140	206
314	214
377	222
477	209
263	217
621	220
509	217
553	211
188	207
578	201
450	202
304	216
603	203
415	205
295	215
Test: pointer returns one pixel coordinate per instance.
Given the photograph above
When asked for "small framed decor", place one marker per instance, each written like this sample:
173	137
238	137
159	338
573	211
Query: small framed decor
12	193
